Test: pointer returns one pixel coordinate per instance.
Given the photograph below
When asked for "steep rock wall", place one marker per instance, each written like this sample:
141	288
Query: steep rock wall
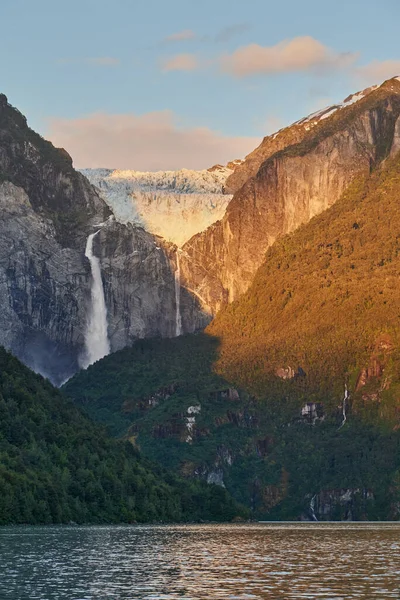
290	188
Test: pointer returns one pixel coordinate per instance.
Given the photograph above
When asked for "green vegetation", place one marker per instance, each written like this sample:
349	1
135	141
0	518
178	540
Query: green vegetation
326	297
272	459
325	304
56	466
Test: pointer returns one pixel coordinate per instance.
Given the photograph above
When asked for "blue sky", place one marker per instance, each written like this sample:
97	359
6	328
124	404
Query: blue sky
92	73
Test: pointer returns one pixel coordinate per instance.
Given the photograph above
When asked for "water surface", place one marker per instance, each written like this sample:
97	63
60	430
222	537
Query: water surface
279	561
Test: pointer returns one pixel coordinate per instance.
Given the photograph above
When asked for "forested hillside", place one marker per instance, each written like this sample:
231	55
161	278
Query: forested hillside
326	299
56	466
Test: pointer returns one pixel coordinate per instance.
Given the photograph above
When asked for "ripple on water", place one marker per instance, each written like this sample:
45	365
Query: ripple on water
236	562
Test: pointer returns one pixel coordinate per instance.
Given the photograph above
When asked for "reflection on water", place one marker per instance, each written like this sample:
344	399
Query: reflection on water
283	561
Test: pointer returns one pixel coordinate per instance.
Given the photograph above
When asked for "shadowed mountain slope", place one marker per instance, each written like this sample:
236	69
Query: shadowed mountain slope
57	466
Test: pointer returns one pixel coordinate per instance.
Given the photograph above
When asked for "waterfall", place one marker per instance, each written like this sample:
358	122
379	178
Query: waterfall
96	335
178	317
312	508
345	398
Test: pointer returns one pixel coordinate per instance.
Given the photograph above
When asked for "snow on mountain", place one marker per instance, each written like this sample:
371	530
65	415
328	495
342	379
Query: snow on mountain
320	115
173	204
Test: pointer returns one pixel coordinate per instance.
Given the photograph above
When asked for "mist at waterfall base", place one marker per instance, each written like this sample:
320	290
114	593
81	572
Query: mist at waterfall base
97	344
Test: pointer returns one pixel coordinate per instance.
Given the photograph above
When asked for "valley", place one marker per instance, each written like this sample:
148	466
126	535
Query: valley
236	325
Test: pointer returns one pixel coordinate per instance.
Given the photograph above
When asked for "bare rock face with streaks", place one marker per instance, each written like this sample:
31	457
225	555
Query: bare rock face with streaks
290	187
47	212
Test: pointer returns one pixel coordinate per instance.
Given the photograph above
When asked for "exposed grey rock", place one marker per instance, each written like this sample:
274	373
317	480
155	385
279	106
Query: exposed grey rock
47	211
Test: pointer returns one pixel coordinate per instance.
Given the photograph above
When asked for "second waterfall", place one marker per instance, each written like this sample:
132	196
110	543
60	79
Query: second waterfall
178	317
97	344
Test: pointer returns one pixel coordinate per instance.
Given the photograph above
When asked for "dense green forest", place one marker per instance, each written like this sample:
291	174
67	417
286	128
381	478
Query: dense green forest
56	466
267	380
272	457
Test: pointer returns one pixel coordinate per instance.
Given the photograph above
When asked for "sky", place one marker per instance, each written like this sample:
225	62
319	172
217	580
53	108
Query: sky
157	84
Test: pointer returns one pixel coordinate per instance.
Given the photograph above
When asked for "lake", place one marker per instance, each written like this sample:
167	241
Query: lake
282	561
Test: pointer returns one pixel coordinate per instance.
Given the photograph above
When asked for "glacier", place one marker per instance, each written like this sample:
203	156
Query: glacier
172	204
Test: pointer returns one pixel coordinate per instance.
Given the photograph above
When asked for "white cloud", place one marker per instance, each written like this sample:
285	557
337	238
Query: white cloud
299	54
181	36
148	142
180	62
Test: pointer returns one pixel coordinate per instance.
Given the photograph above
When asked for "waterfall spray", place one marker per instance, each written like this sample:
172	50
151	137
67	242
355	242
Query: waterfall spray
178	317
96	335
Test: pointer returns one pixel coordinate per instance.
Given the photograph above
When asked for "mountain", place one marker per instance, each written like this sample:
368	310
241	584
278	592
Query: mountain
48	212
294	175
174	205
147	285
57	466
291	398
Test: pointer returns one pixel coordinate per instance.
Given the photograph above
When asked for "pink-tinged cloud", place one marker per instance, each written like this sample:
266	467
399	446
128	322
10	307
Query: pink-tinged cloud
378	71
299	54
180	62
181	36
149	142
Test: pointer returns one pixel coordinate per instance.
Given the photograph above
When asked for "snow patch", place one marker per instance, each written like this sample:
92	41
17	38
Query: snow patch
314	118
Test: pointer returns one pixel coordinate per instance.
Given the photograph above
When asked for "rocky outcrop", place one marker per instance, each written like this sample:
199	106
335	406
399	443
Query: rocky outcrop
269	146
375	370
350	504
55	190
312	412
290	188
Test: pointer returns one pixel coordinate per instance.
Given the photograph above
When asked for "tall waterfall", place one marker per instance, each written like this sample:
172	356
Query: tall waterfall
178	317
96	335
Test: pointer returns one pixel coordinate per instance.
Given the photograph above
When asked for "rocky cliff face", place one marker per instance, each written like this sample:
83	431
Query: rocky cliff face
47	211
290	187
282	139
